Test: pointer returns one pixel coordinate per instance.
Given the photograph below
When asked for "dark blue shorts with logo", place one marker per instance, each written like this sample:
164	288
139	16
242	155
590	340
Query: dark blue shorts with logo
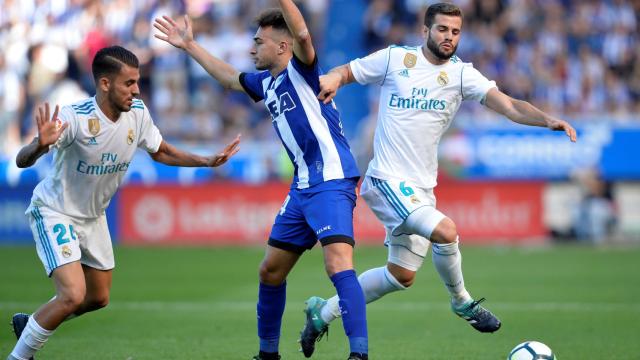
323	212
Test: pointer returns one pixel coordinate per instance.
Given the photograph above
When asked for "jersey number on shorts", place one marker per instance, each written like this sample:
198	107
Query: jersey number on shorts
61	232
406	190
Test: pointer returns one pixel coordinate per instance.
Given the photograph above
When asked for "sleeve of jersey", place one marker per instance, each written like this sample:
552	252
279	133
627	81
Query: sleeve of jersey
150	137
252	84
371	68
474	85
68	116
310	73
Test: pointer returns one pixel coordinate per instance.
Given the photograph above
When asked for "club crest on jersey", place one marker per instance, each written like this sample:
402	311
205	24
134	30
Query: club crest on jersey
66	251
410	60
130	137
94	126
443	79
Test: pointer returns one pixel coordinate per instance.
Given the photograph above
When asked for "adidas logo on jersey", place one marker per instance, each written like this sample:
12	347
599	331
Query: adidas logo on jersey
404	73
92	141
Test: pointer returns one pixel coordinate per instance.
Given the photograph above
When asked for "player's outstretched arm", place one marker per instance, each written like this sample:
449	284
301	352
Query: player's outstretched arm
335	78
522	112
49	131
302	44
170	155
181	36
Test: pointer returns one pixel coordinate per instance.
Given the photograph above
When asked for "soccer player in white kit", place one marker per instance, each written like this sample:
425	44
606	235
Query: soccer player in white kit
95	141
421	90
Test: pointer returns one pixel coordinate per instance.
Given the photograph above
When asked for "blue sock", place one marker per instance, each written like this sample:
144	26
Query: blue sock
353	309
271	300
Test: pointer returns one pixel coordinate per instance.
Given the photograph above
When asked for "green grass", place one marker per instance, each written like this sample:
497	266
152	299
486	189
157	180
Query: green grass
199	303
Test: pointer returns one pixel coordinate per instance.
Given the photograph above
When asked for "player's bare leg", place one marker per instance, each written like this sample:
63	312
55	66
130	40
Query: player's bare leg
98	285
276	265
70	293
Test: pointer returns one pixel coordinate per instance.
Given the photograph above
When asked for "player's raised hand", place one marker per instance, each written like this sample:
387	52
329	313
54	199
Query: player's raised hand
231	149
176	35
561	125
329	85
49	127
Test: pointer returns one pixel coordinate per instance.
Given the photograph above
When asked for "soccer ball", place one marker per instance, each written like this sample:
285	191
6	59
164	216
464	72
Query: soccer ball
531	350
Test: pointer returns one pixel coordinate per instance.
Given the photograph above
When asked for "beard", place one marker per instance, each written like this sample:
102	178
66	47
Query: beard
435	49
116	104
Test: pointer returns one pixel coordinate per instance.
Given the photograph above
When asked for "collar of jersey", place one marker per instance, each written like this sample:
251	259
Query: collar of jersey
424	58
104	117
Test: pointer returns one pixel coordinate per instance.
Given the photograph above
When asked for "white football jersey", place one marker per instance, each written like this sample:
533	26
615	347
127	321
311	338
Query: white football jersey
418	100
93	154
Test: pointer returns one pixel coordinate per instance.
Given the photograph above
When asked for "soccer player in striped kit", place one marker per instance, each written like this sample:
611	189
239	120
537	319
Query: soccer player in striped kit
322	197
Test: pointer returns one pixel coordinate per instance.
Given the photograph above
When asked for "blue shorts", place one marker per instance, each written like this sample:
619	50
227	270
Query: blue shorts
323	212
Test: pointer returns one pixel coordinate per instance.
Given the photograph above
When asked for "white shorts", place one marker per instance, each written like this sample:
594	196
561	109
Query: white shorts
61	239
393	201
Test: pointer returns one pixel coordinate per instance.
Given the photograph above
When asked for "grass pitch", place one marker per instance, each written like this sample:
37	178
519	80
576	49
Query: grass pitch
199	303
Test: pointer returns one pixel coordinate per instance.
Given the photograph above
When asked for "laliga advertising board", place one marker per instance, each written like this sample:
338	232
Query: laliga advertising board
235	214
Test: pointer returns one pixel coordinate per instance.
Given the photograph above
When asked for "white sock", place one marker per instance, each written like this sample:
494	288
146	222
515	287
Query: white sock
32	339
375	284
448	262
331	310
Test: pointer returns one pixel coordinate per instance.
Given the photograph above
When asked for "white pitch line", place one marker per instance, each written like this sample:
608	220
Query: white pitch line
399	306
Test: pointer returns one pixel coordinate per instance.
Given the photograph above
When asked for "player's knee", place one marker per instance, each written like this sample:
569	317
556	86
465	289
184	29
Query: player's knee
406	281
338	255
402	275
270	274
99	302
71	299
446	232
337	266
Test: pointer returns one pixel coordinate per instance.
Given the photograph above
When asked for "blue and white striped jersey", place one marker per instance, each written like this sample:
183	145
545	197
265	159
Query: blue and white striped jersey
310	131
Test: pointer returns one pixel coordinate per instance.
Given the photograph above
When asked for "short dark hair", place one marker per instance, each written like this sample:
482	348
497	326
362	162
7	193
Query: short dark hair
109	61
440	8
272	17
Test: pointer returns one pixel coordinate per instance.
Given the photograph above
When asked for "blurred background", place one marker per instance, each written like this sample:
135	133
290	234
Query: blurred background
502	183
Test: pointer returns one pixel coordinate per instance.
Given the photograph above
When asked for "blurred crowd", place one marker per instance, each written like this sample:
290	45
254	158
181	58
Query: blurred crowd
569	57
48	45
